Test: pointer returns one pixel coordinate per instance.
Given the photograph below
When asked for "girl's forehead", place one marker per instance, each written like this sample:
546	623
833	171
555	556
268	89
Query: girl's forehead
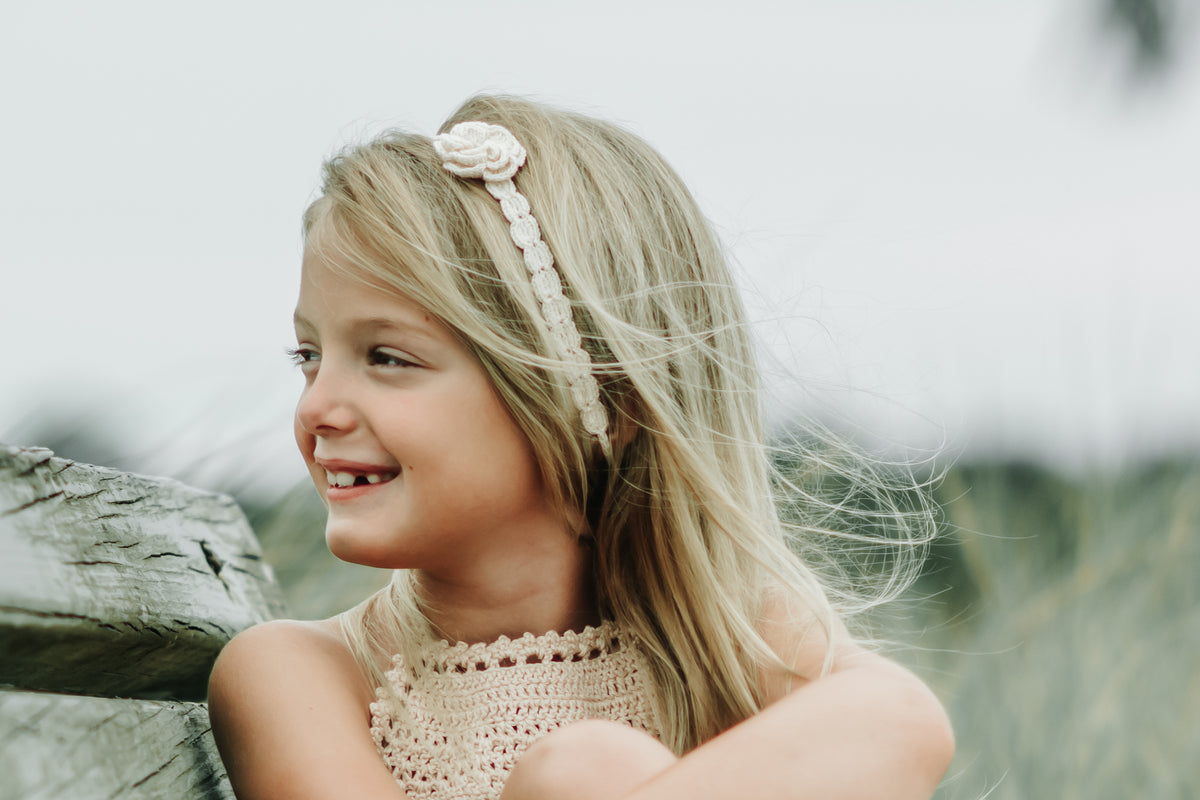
335	295
330	262
329	245
329	284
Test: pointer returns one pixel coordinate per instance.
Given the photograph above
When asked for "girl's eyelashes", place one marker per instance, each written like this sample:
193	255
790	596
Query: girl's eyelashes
302	355
386	357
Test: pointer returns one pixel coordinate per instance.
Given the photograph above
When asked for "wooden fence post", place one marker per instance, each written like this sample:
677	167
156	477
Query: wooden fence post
117	591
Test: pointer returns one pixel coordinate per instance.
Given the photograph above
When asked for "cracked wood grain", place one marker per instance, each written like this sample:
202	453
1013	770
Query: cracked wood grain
119	584
94	748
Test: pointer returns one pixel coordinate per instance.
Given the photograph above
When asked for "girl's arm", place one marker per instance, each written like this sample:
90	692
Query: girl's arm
868	729
289	711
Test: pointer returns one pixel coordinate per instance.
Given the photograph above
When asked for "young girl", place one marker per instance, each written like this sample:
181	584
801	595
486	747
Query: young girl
529	389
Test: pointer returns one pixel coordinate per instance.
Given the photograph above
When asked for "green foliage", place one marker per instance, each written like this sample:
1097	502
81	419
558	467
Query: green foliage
1062	628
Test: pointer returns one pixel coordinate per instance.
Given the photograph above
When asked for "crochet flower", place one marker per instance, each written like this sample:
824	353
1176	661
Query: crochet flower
479	150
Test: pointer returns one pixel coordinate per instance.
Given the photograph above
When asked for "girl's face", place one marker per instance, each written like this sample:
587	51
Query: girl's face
415	456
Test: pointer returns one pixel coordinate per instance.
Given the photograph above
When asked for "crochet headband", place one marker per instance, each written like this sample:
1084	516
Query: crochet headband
491	153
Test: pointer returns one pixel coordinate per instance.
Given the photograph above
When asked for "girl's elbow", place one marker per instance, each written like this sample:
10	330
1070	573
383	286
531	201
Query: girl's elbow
941	745
921	739
930	734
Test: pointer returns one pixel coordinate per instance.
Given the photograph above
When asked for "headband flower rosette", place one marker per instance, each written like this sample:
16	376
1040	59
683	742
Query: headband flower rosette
480	150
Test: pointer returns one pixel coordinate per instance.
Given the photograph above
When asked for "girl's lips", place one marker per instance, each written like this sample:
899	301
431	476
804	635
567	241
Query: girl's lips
334	494
345	478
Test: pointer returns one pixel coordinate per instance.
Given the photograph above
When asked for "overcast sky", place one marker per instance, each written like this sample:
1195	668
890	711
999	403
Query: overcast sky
955	221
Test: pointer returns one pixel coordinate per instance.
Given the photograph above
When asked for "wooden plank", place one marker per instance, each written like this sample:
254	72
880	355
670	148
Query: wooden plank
119	584
56	746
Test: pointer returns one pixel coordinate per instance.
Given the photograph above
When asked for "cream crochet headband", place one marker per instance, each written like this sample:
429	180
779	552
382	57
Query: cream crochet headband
491	153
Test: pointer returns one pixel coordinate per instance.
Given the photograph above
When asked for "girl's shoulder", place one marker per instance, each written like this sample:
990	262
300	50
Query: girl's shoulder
287	701
309	654
284	647
806	641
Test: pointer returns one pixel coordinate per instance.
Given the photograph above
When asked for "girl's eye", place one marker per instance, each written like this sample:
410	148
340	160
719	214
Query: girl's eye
303	355
380	357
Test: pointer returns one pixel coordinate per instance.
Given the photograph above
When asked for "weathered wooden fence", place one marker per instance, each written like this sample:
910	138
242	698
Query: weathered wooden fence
116	593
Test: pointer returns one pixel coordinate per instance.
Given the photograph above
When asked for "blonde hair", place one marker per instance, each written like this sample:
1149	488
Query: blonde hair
688	541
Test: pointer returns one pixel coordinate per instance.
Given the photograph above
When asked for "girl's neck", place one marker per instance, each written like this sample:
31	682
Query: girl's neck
558	597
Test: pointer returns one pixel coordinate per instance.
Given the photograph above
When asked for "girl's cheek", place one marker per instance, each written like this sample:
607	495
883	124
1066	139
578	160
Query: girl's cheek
304	440
308	445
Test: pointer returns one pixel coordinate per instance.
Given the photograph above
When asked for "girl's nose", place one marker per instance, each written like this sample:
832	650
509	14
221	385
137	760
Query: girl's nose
324	408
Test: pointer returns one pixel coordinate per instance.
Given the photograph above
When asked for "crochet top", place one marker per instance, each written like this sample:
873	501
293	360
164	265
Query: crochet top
469	711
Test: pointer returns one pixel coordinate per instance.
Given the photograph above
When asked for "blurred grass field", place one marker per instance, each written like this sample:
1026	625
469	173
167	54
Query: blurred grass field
1062	629
1057	618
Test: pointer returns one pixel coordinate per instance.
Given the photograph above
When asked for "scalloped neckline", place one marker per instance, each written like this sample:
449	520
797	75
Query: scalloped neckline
590	644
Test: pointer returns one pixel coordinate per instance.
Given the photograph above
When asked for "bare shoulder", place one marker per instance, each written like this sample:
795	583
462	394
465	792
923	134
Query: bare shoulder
813	647
290	713
286	650
802	640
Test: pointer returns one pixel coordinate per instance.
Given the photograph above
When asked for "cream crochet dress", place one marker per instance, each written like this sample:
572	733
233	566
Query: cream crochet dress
471	710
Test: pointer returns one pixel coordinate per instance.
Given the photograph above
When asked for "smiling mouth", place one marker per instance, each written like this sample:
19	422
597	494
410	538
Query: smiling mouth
343	480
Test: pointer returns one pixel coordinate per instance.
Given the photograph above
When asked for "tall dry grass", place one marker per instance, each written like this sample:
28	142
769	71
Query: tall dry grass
1062	629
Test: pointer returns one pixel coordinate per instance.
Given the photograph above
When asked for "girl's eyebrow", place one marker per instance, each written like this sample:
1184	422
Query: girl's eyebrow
423	331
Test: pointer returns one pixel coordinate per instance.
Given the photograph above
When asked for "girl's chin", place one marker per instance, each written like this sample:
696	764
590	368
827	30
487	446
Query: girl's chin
351	546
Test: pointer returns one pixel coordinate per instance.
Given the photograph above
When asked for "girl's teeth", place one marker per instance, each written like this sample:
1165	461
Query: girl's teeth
345	479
